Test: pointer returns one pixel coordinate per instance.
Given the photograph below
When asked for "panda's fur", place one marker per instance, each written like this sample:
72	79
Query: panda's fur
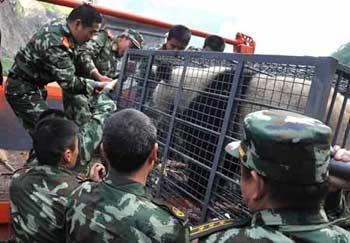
166	90
279	91
284	92
207	111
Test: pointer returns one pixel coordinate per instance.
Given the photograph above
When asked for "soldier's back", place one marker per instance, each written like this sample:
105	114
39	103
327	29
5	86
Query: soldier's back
118	209
38	200
284	226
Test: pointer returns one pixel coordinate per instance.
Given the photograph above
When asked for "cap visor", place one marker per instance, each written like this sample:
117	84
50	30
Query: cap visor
233	148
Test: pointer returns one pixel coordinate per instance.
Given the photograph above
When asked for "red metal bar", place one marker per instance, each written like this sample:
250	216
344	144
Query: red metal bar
132	17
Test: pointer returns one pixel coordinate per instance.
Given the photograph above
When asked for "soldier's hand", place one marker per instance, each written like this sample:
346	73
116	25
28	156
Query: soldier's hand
97	172
336	183
99	87
99	77
174	169
340	154
104	79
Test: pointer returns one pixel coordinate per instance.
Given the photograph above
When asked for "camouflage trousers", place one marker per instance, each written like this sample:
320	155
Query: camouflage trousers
26	105
80	108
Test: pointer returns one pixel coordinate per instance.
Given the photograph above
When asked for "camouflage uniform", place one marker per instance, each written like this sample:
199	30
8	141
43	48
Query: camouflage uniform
117	210
48	57
288	148
38	197
100	53
90	134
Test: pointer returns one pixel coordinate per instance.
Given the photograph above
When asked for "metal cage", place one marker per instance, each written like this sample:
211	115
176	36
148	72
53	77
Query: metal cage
198	101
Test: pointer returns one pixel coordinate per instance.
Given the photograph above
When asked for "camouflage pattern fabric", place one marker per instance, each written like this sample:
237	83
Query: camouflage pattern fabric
135	37
38	199
49	56
90	134
117	210
101	53
28	106
283	225
293	149
284	146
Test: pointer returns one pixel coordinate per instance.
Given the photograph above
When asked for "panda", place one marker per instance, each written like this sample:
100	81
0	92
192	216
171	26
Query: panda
200	105
282	92
292	94
203	103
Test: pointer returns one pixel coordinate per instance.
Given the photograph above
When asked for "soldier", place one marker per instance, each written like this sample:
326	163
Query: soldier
284	170
214	43
178	38
98	59
49	57
211	43
39	194
90	133
118	209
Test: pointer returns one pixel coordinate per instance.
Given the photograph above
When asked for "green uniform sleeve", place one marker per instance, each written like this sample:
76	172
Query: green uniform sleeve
60	65
90	134
90	50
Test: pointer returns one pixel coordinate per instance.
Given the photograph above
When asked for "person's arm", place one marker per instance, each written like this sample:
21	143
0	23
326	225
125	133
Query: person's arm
88	52
60	66
90	134
335	182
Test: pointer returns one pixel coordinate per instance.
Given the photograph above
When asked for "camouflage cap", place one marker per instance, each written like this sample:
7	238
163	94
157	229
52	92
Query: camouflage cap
284	146
134	36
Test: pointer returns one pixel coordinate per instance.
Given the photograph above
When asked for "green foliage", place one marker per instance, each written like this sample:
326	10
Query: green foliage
343	54
6	64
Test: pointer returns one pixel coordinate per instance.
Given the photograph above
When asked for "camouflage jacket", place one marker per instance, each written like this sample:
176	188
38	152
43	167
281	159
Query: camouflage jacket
283	225
101	53
49	56
117	210
38	197
90	134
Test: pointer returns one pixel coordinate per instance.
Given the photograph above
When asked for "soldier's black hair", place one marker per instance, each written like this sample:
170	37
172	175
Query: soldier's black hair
181	33
51	113
215	43
293	195
128	139
86	13
52	136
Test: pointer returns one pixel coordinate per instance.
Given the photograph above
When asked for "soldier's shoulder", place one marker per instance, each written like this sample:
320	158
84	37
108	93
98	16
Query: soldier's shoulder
218	226
239	231
101	37
53	34
19	174
170	210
